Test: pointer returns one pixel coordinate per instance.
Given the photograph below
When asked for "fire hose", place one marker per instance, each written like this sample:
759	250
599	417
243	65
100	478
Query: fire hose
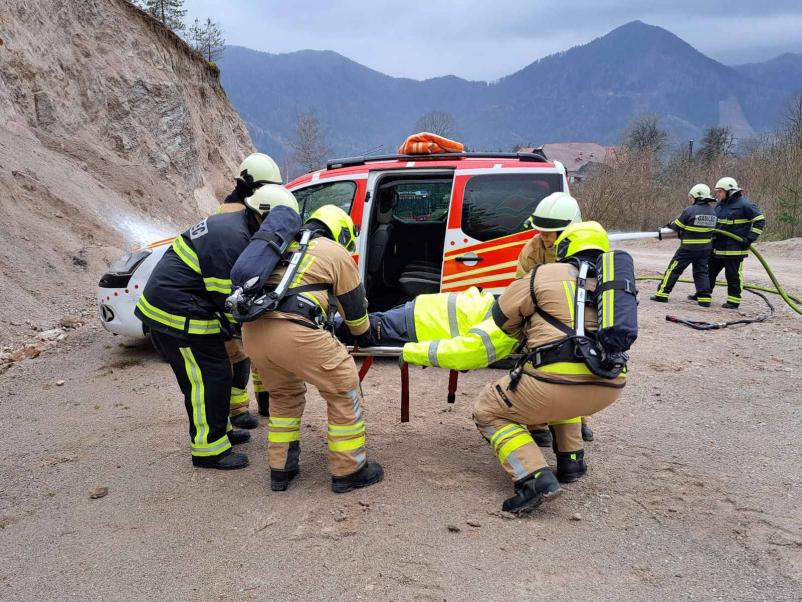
795	303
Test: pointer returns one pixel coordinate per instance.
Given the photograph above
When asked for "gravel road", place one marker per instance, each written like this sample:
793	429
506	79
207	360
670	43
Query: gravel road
693	491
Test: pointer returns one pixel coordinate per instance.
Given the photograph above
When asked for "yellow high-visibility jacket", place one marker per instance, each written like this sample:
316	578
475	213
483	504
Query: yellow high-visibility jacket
480	346
446	315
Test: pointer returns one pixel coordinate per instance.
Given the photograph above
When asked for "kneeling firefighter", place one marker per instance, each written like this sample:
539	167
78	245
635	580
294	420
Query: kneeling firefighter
291	344
256	170
552	215
578	318
183	306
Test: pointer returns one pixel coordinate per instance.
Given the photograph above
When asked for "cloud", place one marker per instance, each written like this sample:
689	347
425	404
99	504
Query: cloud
484	40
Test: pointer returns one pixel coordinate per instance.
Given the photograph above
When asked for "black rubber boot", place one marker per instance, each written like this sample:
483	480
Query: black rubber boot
369	474
237	436
228	460
704	303
571	466
246	420
692	297
728	305
587	432
541	437
263	401
280	479
659	299
532	491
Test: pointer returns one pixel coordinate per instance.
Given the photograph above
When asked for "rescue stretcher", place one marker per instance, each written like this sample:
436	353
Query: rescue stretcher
371	353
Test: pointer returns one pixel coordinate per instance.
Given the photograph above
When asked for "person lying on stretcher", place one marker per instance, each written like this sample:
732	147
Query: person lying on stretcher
447	330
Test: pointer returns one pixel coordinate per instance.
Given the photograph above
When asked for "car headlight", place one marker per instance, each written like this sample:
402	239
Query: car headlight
129	262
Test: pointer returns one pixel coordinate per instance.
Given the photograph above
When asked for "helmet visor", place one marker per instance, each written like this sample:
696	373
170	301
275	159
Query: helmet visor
548	224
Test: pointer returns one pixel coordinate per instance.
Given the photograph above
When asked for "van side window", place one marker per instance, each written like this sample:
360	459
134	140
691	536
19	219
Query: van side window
498	205
332	193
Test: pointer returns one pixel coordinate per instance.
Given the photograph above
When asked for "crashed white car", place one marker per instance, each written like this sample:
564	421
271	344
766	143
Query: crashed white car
120	287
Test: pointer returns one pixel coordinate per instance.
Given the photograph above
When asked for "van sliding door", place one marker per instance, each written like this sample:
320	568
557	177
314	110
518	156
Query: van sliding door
486	230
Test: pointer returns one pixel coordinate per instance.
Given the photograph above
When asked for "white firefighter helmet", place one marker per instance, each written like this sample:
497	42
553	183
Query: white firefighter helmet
258	169
700	191
728	185
269	197
555	213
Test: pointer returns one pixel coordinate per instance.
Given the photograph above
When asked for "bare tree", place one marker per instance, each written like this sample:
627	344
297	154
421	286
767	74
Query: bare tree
309	144
791	120
437	122
716	142
170	12
207	39
644	134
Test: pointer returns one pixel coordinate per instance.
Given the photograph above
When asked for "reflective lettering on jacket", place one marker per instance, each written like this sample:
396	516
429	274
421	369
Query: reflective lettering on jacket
186	293
738	215
695	225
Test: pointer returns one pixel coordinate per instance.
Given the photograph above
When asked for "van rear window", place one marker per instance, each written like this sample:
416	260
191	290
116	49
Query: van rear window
332	193
495	205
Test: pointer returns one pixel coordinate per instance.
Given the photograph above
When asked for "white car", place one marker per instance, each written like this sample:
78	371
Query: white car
120	287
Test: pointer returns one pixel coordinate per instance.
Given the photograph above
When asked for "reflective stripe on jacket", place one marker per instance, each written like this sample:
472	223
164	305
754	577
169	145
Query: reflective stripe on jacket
738	215
186	292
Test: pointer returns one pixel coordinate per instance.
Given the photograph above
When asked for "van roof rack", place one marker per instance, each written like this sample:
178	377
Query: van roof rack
535	156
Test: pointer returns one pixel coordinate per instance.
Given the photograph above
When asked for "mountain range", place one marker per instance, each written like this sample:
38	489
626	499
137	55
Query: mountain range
589	92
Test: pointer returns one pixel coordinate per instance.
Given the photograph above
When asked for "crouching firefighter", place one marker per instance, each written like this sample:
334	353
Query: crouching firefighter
552	215
695	227
183	307
287	334
578	317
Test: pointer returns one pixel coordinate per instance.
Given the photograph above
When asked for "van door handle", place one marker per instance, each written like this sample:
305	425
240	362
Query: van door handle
468	257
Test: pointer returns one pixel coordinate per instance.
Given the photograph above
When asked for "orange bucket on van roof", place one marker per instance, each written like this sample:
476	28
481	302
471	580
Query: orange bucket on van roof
426	143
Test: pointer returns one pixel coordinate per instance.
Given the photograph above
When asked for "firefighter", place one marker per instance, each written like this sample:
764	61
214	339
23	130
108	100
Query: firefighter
554	393
695	228
551	216
183	306
738	215
290	347
255	170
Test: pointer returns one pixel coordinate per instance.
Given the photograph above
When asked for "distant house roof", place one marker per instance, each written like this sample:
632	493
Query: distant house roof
574	155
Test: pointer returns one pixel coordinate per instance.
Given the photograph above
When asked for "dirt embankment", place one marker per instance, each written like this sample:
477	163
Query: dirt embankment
112	133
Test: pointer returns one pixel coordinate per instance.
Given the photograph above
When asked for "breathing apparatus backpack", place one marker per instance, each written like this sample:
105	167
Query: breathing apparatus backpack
604	351
251	297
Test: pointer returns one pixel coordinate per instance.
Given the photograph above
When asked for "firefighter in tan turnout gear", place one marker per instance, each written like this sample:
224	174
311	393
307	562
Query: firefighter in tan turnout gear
551	216
291	347
555	392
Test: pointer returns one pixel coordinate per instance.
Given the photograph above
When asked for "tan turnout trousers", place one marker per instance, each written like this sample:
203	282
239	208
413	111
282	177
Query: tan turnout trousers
287	355
503	418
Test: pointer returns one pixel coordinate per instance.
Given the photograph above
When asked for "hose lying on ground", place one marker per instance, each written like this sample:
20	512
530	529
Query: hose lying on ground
795	303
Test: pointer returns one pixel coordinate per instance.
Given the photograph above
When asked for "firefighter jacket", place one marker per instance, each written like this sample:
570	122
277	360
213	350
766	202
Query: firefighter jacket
695	225
534	253
738	215
186	293
446	315
330	280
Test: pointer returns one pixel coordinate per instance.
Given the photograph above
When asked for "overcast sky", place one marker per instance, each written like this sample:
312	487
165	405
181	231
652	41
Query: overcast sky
485	40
